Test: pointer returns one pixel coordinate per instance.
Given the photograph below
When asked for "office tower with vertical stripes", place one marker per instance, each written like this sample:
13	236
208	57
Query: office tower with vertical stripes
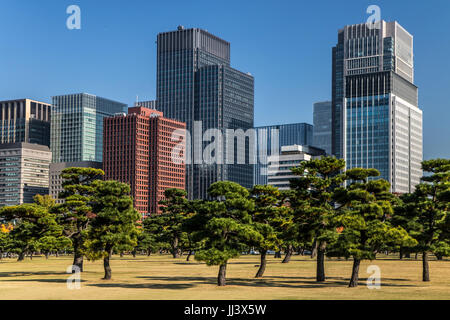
25	120
138	150
195	82
376	121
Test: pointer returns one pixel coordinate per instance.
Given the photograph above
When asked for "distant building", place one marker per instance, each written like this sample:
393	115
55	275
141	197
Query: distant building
322	126
288	134
77	126
279	167
195	83
55	180
24	172
146	104
25	120
376	119
139	150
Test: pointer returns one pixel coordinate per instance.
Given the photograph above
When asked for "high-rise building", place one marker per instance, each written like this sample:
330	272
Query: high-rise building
322	126
285	135
24	172
77	126
279	166
25	120
196	83
143	150
376	119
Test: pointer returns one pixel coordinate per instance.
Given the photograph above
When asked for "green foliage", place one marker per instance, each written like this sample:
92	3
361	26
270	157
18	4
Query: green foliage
33	223
425	212
312	199
226	223
269	217
115	223
366	208
75	213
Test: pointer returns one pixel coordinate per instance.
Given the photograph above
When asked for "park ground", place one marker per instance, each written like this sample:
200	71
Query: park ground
160	277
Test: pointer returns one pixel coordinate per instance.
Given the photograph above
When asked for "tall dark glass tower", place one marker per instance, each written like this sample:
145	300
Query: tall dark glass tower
196	83
376	121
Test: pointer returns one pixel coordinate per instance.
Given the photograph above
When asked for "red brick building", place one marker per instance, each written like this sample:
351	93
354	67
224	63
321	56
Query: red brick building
137	149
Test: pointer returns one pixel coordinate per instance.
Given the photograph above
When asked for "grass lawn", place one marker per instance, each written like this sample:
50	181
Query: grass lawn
161	277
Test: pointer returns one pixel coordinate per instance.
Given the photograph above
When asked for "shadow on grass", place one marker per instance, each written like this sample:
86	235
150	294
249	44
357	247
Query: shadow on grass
157	286
278	282
38	280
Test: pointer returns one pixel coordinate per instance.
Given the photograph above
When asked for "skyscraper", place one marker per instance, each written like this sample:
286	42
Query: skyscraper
376	120
196	83
322	136
24	172
77	126
25	120
286	135
138	150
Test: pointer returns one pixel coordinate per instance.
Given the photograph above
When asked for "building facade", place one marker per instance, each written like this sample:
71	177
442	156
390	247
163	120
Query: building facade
322	137
270	140
195	83
56	181
145	150
77	126
376	119
24	172
25	120
279	167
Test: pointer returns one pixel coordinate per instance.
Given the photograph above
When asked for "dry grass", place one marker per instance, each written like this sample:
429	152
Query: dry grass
161	278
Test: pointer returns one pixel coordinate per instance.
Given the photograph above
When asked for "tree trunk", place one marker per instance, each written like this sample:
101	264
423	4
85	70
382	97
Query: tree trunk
189	255
320	268
77	255
46	255
408	255
288	255
263	264
355	273
149	252
425	267
401	253
221	279
175	251
21	256
107	266
416	255
277	255
439	256
134	253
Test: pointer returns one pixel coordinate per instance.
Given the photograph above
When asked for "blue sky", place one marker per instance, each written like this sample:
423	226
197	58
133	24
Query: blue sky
286	45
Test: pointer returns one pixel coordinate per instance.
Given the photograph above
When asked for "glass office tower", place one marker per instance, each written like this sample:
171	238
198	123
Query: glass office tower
376	119
286	135
322	136
77	126
196	83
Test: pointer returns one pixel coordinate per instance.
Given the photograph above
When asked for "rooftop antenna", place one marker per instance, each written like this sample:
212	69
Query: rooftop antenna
137	99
